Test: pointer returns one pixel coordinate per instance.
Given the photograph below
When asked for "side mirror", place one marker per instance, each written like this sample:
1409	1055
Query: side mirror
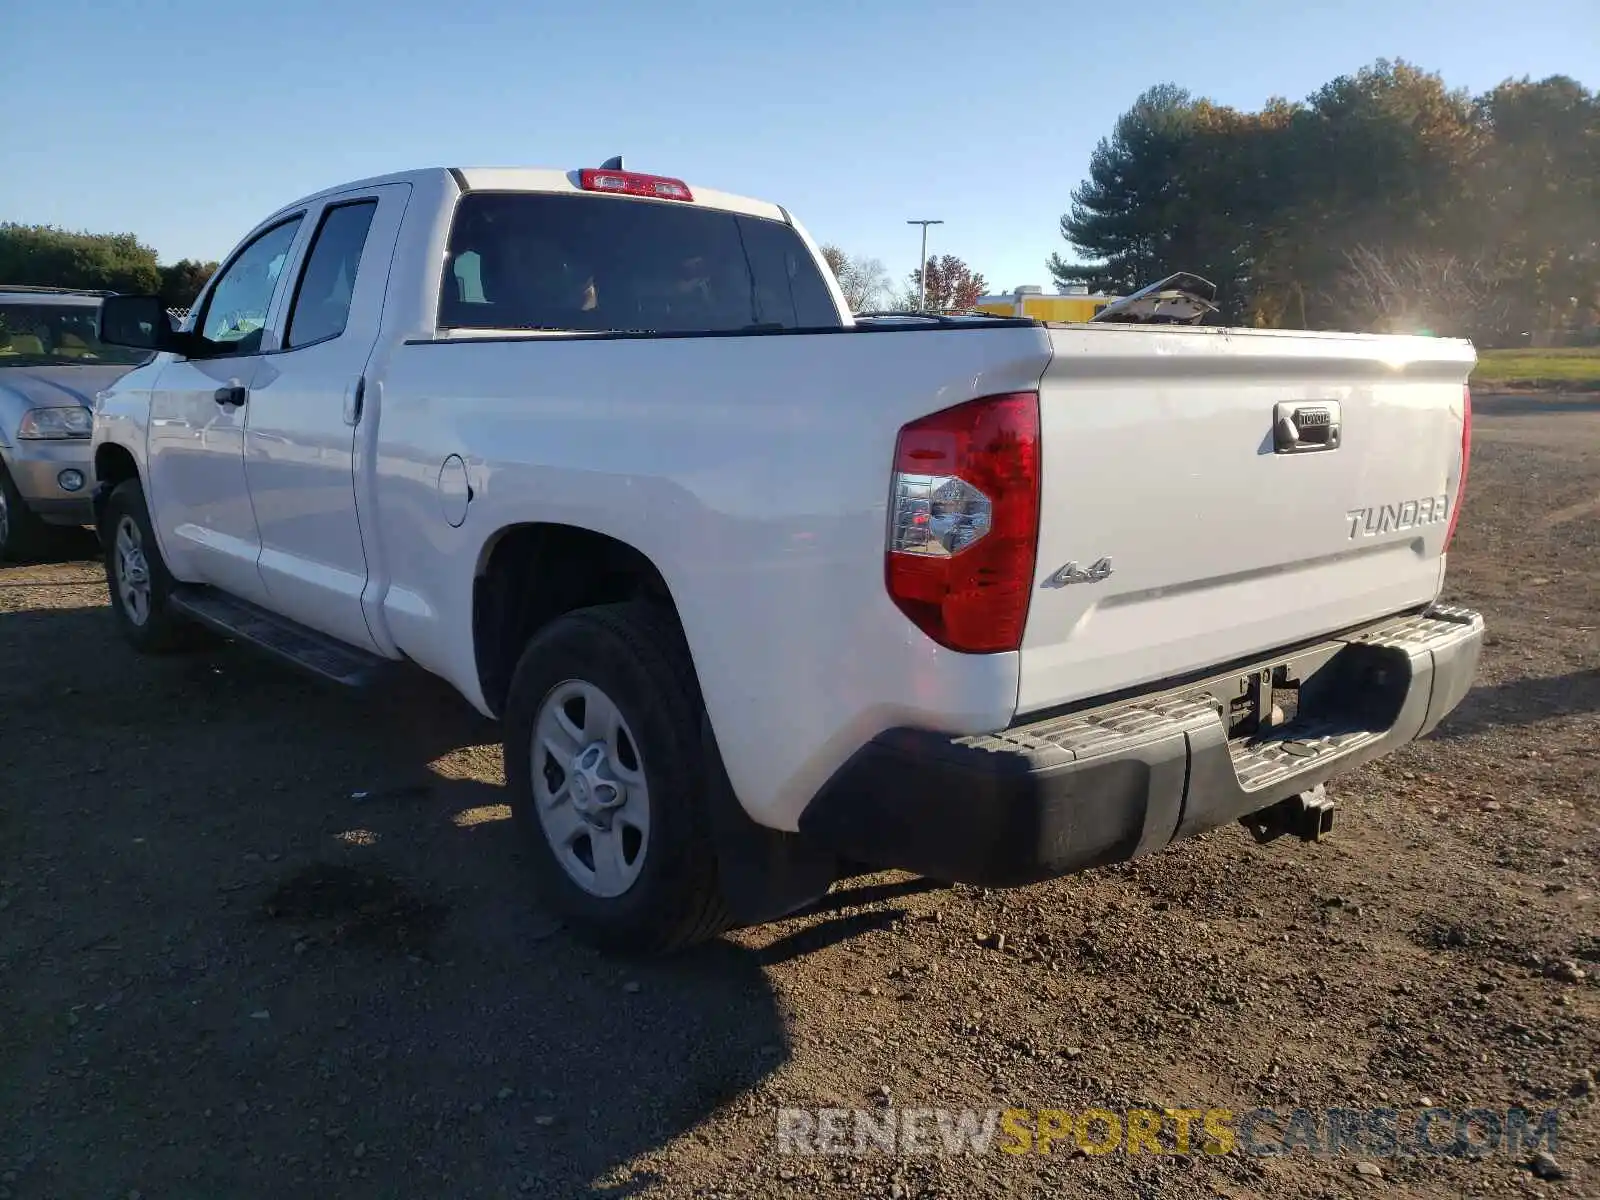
137	321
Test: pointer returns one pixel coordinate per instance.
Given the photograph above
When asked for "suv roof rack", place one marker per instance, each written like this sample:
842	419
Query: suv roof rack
55	291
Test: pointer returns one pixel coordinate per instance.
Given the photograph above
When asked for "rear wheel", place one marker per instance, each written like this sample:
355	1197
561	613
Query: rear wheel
607	779
137	576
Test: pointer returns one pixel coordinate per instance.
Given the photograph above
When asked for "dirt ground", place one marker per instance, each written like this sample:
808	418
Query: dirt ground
260	937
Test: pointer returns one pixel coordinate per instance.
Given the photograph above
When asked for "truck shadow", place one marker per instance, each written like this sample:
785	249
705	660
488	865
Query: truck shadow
1523	701
72	544
310	910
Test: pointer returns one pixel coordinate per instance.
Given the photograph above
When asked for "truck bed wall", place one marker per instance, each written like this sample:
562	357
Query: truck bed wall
754	472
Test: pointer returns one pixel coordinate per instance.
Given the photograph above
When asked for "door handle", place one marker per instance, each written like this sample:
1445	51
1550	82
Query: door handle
229	395
354	395
1305	428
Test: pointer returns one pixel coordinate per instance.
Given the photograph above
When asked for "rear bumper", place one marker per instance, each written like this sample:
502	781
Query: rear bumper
1072	792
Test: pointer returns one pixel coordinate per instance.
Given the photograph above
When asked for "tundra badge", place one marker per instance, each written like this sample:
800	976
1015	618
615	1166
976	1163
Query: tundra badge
1073	573
1398	516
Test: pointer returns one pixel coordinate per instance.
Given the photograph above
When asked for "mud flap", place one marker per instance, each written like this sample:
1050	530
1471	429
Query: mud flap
764	873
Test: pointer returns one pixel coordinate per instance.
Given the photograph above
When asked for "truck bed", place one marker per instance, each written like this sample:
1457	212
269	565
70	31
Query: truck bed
754	470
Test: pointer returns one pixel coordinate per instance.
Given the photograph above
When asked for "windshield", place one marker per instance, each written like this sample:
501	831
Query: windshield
590	263
48	335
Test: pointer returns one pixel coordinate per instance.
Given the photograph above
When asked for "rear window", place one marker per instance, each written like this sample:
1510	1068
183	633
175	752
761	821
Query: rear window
601	263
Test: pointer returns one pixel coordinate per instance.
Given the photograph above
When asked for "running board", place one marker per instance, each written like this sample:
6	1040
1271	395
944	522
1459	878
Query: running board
280	637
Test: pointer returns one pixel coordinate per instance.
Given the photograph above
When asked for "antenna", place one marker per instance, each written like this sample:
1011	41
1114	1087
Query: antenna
614	163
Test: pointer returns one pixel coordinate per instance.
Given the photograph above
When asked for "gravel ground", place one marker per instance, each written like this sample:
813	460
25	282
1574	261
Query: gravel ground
263	938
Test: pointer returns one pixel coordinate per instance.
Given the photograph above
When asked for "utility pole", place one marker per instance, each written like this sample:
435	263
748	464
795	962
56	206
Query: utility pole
922	265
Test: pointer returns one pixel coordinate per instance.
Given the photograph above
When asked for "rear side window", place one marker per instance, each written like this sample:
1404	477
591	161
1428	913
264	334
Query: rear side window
602	263
322	300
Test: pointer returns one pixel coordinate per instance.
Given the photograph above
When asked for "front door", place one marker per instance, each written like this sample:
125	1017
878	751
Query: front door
199	499
306	408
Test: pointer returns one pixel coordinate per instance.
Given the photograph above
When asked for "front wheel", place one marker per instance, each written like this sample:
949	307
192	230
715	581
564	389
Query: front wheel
23	536
137	576
607	779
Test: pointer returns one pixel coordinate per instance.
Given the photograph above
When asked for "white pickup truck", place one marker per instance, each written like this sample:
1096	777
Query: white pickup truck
764	594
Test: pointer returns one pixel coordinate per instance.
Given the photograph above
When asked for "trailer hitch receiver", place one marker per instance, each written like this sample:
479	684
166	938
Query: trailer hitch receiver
1308	815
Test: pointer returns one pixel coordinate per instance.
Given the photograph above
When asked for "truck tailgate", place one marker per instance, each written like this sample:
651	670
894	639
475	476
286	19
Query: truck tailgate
1183	524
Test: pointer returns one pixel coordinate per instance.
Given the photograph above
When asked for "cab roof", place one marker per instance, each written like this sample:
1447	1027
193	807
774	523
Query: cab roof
541	179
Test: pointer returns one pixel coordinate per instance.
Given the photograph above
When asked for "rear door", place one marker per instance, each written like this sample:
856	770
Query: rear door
307	402
1183	526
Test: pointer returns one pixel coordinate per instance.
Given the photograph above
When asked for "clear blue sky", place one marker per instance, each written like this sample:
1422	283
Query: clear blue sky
186	122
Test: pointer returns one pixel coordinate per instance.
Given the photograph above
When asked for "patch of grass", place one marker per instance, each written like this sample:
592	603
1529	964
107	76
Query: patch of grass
1572	370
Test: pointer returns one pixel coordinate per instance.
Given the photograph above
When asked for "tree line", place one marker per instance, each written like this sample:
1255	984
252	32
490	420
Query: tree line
950	286
45	256
1385	201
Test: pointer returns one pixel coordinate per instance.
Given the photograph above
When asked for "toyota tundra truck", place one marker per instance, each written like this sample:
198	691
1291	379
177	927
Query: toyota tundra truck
762	594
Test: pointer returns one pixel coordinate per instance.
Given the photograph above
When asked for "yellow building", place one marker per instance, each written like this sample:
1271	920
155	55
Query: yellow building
1033	302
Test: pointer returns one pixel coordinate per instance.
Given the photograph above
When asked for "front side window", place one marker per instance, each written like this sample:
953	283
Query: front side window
236	310
600	263
327	284
58	335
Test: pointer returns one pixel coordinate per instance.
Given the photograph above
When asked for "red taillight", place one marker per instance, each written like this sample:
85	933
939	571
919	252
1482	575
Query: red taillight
631	183
1466	455
964	522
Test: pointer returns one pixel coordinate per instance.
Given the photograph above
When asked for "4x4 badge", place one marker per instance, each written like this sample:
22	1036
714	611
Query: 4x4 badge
1073	573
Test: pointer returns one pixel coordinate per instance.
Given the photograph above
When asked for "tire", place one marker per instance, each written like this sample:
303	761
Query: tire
127	539
23	536
665	895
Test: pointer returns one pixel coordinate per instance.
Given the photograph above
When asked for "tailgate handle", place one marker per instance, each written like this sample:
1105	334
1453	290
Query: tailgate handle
1302	427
